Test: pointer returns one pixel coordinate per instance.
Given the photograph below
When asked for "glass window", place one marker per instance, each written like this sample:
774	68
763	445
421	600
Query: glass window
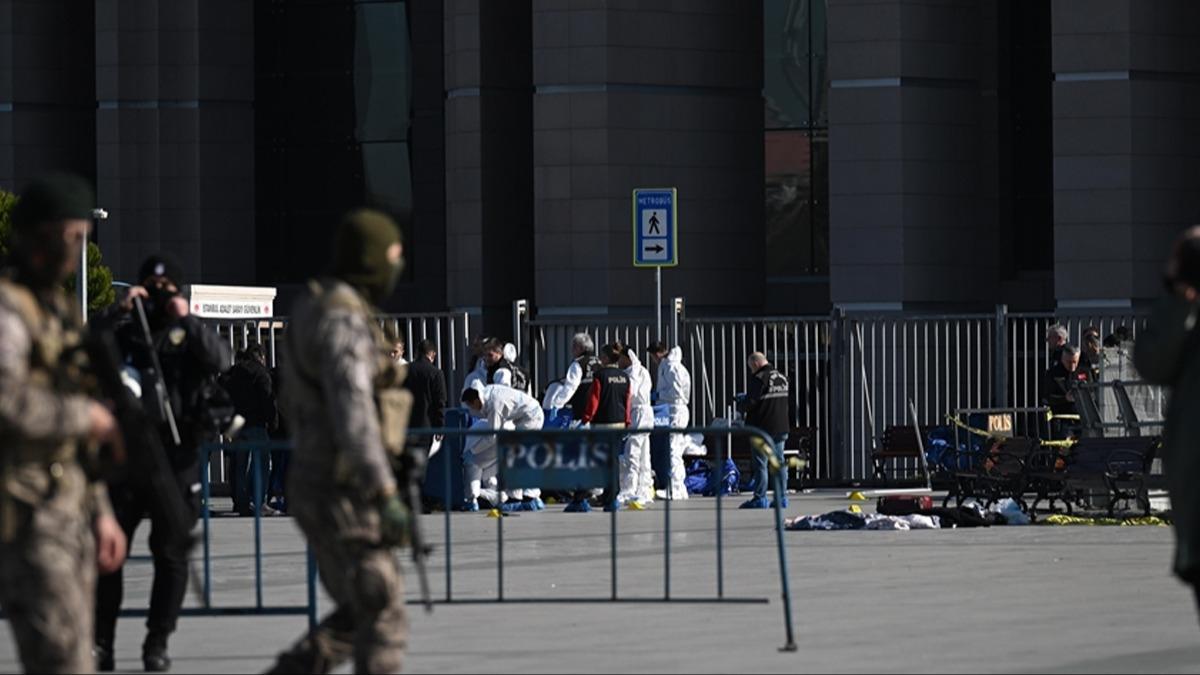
795	88
333	110
797	213
794	73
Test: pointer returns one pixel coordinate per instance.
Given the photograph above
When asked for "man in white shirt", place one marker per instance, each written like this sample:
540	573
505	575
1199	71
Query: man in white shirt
674	389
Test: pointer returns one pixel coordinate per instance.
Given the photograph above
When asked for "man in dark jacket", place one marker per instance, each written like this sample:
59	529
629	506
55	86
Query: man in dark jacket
191	356
428	386
1167	352
249	385
766	407
1059	388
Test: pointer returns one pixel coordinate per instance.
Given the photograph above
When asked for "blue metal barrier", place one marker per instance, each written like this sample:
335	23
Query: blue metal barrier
256	450
558	440
555	441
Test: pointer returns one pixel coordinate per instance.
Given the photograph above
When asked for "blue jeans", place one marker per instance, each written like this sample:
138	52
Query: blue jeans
241	479
761	481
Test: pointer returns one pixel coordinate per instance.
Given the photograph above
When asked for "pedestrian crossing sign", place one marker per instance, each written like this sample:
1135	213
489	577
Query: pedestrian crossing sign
655	228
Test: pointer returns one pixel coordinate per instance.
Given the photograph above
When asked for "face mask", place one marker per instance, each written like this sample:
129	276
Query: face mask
43	255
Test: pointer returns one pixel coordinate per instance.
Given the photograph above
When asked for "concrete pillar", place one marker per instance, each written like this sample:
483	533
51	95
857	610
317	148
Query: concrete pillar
489	167
175	135
1126	145
905	159
647	94
47	90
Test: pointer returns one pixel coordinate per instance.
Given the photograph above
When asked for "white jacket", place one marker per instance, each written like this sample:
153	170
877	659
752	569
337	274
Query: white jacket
562	395
504	404
477	377
639	383
674	382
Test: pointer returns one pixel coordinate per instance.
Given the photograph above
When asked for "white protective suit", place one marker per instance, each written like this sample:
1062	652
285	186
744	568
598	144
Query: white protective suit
637	478
503	408
477	377
675	390
561	397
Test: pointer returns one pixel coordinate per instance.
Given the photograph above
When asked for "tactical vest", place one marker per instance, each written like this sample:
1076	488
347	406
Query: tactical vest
588	365
613	406
391	400
55	362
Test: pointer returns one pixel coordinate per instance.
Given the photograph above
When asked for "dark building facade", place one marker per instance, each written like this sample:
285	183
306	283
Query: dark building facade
869	154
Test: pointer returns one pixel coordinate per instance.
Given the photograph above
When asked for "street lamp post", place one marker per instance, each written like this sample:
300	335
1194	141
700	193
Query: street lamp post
81	277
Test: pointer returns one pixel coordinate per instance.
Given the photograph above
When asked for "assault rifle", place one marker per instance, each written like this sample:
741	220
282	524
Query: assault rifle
145	459
410	472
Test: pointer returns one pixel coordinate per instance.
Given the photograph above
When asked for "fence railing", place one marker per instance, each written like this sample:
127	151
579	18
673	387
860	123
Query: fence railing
715	353
850	375
449	330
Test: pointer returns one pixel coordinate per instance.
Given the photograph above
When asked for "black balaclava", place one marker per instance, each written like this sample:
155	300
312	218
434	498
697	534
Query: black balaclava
39	253
165	266
360	254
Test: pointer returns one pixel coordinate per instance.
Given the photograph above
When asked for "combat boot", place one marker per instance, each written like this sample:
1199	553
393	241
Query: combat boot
154	653
103	653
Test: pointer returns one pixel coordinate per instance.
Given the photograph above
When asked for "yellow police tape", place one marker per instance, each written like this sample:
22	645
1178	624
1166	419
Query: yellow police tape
1144	521
1068	443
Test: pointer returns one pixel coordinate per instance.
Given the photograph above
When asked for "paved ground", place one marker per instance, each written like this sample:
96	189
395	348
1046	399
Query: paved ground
1017	599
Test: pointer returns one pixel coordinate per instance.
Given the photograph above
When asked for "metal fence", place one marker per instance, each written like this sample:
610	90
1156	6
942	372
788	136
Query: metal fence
851	376
450	331
939	363
715	353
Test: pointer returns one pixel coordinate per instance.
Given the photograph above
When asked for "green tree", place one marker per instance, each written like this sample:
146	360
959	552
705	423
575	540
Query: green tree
99	280
7	201
100	290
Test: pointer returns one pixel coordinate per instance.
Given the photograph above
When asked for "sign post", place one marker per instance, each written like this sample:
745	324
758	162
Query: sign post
656	237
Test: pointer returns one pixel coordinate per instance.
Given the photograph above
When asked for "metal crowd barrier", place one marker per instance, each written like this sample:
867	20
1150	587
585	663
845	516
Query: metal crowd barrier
601	445
547	445
259	451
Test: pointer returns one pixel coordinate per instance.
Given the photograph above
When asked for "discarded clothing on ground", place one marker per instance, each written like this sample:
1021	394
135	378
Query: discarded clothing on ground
845	520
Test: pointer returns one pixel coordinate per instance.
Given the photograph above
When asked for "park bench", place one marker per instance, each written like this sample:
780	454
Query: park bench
900	444
1116	469
1000	470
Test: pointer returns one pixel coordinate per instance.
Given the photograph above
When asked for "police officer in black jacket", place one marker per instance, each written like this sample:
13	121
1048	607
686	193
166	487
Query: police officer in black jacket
766	407
191	356
607	407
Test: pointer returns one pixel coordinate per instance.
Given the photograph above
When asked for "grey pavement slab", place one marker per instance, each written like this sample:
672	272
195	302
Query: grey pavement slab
1006	599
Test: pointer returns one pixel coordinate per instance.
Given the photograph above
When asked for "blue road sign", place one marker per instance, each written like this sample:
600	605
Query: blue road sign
655	228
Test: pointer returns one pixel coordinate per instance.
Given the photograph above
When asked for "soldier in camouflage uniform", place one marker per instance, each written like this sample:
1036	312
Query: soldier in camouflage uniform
56	524
341	394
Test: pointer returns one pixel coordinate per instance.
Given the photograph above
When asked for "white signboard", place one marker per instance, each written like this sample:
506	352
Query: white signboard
232	302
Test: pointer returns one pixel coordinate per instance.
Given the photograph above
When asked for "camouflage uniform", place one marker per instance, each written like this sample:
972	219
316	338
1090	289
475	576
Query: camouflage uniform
341	396
47	504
